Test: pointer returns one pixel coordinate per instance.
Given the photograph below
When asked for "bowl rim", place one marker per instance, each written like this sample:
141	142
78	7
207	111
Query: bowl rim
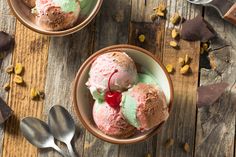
58	33
77	78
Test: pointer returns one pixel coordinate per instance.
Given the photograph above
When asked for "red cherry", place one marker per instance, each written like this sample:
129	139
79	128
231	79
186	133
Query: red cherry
113	98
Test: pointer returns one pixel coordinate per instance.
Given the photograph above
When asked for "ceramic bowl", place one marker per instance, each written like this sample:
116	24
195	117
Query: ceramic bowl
83	102
23	13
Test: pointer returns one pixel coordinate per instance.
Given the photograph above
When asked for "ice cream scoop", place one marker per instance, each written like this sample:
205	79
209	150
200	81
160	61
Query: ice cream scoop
56	14
144	106
111	121
103	67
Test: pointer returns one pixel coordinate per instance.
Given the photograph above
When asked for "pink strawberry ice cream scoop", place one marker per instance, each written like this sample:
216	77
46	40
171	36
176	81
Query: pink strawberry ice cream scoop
111	121
103	67
144	106
56	14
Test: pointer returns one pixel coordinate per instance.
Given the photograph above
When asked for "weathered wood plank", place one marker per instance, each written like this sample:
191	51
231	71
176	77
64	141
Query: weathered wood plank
154	43
112	25
4	8
181	123
215	132
66	54
31	51
154	35
7	24
142	12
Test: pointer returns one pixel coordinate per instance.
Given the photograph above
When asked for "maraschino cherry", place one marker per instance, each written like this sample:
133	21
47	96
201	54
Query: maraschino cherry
113	98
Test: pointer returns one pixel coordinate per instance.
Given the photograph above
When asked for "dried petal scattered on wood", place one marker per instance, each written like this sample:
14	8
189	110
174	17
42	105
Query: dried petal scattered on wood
148	155
18	79
173	44
186	148
174	33
160	10
41	94
175	19
185	69
169	143
169	68
18	68
186	59
141	38
9	69
181	61
6	86
34	94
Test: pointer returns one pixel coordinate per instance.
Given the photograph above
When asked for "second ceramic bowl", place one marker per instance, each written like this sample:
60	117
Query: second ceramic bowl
83	103
23	13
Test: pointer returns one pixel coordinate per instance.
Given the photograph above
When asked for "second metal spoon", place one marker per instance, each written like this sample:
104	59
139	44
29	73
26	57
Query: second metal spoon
62	126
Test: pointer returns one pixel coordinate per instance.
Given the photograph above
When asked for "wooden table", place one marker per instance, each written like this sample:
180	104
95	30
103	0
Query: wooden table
52	62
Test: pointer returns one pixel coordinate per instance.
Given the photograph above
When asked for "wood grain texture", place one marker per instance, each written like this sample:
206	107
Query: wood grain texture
142	12
7	24
181	123
30	50
154	33
66	54
4	8
112	26
215	132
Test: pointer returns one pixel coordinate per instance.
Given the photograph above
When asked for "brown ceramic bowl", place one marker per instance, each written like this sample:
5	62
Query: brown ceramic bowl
82	99
24	15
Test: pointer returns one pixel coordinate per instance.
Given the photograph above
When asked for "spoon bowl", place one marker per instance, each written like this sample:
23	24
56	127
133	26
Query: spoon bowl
62	126
38	134
199	1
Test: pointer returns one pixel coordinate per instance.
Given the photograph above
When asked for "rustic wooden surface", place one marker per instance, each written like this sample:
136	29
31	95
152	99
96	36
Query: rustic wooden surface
51	65
216	124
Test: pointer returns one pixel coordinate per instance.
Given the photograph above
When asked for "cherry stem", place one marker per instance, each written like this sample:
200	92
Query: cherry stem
109	80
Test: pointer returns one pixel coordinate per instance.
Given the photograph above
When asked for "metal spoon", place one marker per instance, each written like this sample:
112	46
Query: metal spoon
62	126
38	134
226	8
199	1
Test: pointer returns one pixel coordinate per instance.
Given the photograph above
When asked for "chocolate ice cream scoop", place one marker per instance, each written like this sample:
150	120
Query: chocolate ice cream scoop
144	106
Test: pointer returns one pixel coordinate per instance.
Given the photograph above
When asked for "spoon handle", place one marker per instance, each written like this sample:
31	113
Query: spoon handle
71	150
59	150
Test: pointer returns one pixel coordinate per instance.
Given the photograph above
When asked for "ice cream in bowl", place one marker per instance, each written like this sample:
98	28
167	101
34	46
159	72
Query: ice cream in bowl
123	94
55	17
